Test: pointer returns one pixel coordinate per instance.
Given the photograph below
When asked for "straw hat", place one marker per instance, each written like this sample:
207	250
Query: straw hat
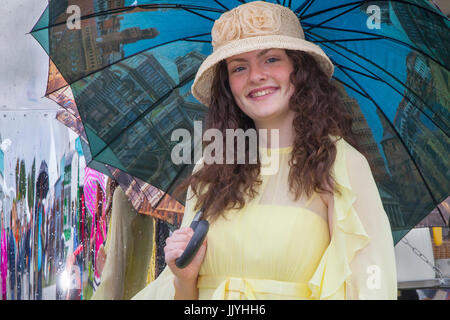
254	26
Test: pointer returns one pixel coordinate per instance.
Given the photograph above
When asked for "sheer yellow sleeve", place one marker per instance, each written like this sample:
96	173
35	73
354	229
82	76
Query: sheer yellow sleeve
162	288
359	262
128	250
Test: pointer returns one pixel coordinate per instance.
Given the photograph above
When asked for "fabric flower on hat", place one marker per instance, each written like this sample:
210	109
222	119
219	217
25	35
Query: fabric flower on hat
253	19
259	19
226	29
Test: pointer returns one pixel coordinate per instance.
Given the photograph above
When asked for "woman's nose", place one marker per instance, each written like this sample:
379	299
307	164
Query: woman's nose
257	73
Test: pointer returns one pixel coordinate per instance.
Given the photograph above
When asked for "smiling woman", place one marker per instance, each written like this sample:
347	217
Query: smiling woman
314	229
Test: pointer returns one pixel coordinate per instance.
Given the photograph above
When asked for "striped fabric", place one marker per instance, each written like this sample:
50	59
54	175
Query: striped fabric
90	188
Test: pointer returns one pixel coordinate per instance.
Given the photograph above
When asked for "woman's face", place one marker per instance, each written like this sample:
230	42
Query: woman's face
260	83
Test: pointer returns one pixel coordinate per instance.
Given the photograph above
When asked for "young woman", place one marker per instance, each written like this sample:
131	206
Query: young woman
315	229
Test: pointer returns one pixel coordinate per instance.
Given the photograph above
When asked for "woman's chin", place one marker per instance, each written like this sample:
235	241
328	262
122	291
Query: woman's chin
264	120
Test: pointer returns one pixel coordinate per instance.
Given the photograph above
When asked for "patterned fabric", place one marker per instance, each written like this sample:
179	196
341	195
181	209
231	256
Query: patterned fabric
90	188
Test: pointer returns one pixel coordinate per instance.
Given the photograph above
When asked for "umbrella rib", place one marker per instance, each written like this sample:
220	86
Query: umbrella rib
132	55
332	18
435	202
359	72
89	16
168	188
40	17
124	9
395	78
348	85
432	11
365	1
358	3
221	4
303	7
182	6
198	14
193	40
381	37
175	6
143	114
184	166
347	40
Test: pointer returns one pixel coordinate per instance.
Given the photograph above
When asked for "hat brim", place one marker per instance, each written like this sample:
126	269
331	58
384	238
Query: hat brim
201	89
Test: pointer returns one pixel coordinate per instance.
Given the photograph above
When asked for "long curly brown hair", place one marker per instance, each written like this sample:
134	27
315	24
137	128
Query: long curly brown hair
319	113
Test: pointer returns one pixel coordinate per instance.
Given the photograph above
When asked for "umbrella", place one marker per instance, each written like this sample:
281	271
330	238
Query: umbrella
130	68
146	199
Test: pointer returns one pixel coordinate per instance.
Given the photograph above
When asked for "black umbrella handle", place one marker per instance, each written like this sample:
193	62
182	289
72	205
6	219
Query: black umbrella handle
200	230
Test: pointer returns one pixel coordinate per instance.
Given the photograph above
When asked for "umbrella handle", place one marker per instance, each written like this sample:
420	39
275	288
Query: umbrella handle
200	230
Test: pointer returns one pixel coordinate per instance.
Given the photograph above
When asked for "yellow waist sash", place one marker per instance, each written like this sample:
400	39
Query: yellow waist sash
231	288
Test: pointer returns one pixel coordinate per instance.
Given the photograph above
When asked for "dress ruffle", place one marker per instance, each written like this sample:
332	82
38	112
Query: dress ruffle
348	237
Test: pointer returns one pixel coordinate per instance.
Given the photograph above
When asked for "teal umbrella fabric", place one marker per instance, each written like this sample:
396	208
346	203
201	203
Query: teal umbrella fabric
143	196
130	65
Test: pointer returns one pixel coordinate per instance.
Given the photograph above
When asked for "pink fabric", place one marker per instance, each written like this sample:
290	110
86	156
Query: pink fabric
3	266
98	239
90	188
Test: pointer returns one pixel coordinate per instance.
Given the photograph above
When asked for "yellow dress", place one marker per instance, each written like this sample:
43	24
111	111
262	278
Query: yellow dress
280	248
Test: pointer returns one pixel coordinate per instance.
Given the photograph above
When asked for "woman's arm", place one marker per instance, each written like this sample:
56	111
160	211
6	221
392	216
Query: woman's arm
185	280
373	267
185	290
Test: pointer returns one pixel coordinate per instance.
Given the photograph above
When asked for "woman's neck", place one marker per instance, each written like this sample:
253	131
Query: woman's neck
285	132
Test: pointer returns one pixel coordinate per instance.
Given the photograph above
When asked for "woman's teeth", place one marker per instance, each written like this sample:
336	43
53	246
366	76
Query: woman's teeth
262	93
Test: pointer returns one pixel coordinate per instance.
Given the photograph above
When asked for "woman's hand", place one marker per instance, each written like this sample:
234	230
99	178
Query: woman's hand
175	246
186	278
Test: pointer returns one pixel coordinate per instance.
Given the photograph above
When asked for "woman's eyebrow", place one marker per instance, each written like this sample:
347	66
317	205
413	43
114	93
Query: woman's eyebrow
263	52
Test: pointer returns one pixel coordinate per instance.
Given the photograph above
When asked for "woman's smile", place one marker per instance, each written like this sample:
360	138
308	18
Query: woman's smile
262	93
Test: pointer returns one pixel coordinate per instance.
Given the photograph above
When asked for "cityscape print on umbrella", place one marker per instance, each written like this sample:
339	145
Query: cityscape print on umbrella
146	199
130	69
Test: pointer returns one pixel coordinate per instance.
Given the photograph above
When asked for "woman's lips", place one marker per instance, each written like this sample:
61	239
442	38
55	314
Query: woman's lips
266	92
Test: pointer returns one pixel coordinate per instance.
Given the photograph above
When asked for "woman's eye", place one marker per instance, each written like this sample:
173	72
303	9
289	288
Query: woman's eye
272	60
238	69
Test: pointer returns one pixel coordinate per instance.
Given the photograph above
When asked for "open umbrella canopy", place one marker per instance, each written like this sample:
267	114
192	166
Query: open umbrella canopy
59	91
130	65
145	198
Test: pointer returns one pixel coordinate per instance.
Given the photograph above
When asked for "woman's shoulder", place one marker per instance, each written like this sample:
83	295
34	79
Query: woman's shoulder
351	168
352	156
